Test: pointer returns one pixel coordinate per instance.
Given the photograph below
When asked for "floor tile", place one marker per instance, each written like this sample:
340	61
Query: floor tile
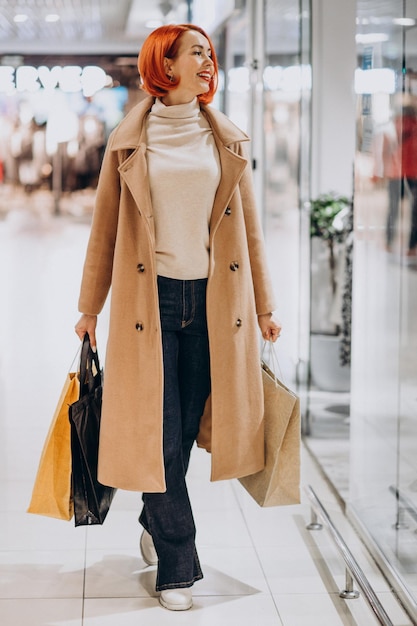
14	494
41	612
25	531
231	571
127	501
121	530
309	609
207	611
227	572
118	574
295	569
226	528
38	574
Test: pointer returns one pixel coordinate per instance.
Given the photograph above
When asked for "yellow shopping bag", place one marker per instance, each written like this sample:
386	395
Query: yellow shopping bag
51	495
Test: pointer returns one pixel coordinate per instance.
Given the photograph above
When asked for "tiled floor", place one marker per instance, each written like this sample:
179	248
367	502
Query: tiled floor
261	565
327	436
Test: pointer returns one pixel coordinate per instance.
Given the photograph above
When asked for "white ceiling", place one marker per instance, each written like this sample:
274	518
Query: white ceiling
119	26
82	26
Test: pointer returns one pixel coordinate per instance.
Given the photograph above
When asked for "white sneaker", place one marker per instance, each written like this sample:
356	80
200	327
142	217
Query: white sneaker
147	549
176	599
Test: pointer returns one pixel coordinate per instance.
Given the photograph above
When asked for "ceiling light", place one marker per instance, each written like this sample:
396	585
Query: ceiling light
379	80
372	38
52	17
404	21
20	17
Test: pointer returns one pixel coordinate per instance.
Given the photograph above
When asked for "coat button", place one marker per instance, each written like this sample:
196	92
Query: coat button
139	326
140	268
234	266
239	322
228	211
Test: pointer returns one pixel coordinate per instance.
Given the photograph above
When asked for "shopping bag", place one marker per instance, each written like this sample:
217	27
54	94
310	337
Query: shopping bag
279	482
51	494
91	499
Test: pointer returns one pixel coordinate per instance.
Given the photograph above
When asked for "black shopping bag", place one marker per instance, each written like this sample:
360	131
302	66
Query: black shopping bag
92	500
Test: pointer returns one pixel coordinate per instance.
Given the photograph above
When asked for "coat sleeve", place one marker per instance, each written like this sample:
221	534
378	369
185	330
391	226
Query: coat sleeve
98	265
264	295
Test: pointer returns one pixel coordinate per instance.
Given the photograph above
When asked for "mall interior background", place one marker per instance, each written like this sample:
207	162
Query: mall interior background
322	87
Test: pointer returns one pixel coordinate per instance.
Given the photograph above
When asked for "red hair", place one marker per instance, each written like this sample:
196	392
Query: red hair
165	42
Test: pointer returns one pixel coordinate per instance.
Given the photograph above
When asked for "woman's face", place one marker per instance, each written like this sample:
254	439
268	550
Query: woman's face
192	67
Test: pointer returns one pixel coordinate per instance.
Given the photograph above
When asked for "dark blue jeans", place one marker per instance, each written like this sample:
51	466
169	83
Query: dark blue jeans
168	516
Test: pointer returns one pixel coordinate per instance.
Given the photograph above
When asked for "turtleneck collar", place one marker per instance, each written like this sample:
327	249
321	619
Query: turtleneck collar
176	111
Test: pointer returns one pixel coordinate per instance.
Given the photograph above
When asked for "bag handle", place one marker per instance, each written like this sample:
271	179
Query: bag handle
89	379
75	358
272	358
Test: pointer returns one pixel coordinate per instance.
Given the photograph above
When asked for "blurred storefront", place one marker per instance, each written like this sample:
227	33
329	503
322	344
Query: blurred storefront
56	113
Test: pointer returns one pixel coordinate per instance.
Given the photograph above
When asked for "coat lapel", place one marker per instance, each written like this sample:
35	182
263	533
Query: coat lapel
232	167
232	164
130	137
134	172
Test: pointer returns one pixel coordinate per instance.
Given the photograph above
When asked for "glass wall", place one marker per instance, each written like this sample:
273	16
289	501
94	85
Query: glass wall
327	239
287	82
383	491
264	54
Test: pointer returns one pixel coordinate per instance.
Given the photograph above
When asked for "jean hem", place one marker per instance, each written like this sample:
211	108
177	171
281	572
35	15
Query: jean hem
179	585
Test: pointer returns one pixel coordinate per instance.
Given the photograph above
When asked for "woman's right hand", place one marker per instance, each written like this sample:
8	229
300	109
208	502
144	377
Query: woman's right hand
87	324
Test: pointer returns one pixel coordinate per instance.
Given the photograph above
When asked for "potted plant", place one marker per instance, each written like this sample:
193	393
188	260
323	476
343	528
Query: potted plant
329	226
328	216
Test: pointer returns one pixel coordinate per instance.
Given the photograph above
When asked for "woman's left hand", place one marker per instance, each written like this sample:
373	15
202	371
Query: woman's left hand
270	327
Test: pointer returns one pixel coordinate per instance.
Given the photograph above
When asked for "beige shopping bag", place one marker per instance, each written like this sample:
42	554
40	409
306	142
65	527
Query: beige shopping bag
279	482
51	495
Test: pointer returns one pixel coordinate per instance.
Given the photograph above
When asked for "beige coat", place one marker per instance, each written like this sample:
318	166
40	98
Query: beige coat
121	255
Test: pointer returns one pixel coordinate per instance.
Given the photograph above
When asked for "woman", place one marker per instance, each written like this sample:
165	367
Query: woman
175	234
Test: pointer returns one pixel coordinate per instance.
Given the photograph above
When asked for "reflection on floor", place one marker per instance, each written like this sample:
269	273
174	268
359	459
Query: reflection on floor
261	565
327	437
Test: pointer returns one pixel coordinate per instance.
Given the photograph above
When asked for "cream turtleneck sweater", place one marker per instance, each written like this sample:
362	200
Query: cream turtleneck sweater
184	173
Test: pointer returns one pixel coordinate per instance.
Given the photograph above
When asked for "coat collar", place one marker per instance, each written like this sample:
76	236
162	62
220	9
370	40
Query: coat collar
130	132
130	135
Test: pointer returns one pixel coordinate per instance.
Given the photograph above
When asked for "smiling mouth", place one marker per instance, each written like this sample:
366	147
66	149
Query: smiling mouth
205	76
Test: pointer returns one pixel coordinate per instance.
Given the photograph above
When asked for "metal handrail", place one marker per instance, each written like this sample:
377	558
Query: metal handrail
352	567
